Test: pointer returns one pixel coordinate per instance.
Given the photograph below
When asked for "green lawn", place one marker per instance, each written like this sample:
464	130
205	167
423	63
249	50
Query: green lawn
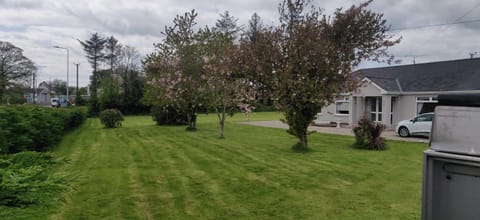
144	171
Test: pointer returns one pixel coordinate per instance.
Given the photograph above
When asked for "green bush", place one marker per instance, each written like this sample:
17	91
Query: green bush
25	179
368	134
111	118
168	116
35	128
260	107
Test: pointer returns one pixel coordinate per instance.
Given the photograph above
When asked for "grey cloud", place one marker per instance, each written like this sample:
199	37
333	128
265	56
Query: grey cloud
36	25
19	4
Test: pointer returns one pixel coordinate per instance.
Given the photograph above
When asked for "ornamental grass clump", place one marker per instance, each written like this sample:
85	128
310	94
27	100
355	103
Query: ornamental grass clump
368	134
111	118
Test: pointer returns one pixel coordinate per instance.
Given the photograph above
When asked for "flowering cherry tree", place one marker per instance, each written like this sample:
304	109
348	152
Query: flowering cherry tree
227	86
174	71
315	54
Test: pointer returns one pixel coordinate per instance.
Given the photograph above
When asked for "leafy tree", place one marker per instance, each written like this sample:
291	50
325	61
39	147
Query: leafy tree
14	94
257	65
109	91
316	54
14	66
174	70
59	87
132	80
226	85
95	55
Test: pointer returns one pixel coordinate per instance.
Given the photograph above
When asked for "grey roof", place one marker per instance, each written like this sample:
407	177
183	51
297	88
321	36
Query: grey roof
454	75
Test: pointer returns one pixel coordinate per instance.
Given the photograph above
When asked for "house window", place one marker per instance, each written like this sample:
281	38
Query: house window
374	108
342	106
426	104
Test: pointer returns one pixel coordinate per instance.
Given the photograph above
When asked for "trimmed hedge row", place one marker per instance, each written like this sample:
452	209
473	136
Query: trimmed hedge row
32	128
25	178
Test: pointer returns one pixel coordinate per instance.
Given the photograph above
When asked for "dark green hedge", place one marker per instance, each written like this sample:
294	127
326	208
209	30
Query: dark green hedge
168	116
35	128
25	178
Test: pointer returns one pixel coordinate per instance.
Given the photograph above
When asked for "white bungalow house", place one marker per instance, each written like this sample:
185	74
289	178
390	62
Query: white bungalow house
391	94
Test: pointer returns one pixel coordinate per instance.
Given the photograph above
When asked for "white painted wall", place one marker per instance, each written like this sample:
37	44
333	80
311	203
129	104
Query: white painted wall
367	89
406	107
328	114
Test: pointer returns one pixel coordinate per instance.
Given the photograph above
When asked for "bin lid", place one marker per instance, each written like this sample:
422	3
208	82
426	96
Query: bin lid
456	129
472	100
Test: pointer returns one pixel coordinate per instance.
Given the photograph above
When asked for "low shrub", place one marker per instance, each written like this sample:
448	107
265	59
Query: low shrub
111	118
25	179
35	128
368	134
168	116
269	107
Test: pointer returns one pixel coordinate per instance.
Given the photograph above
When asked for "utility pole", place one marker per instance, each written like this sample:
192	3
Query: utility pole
68	67
76	90
414	56
34	85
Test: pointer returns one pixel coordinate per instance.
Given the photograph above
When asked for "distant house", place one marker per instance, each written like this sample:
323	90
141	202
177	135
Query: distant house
42	95
391	94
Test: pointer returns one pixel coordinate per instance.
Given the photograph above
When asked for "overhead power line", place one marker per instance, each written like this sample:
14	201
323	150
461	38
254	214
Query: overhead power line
458	19
435	25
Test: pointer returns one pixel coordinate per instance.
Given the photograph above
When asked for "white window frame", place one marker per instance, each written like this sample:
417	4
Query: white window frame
378	104
344	100
431	99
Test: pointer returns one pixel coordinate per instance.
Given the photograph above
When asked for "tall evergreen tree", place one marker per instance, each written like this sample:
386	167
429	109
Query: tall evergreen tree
94	52
255	27
113	50
227	25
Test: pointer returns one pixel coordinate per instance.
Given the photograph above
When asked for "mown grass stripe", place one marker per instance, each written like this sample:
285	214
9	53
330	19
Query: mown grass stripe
144	171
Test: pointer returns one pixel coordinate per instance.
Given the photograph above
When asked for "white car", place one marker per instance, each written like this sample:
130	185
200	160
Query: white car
420	125
55	102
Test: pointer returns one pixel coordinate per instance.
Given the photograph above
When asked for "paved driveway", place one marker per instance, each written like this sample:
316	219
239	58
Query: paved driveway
391	135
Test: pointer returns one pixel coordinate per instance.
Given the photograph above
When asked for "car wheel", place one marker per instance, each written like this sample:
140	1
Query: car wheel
403	132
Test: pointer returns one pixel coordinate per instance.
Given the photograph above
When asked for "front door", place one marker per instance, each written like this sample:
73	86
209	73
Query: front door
393	114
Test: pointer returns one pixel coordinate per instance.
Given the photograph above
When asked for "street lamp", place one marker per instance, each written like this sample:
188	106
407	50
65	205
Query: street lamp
68	65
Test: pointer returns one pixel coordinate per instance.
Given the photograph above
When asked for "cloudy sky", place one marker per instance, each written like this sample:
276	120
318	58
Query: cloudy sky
37	25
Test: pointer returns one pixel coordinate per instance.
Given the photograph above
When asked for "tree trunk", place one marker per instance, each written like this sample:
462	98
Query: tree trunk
189	119
221	119
304	140
303	144
222	125
192	120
